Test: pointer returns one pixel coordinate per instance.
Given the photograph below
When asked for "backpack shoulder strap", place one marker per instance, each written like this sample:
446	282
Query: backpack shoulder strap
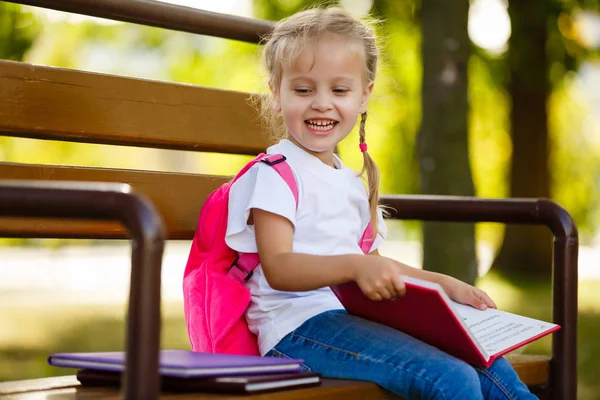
279	164
241	269
367	239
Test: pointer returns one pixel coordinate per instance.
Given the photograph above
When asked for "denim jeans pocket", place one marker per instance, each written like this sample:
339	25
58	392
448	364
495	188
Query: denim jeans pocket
276	353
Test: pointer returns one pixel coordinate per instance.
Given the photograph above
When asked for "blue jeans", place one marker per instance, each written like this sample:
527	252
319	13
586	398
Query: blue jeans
340	345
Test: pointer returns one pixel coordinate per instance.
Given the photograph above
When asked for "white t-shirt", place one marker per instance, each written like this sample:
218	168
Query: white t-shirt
332	214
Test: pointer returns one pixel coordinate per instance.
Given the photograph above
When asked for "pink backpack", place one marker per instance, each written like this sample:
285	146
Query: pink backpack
214	294
215	298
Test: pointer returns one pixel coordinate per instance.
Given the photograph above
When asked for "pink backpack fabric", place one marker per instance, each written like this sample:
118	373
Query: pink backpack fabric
214	294
215	298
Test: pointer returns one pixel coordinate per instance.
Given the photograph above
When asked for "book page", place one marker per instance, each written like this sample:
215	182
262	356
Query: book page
497	331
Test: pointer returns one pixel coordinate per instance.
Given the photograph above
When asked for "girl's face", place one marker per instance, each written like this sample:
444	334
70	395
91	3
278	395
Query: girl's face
322	93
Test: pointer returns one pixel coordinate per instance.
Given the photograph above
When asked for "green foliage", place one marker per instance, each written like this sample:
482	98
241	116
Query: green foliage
573	147
71	329
489	140
274	10
18	30
575	155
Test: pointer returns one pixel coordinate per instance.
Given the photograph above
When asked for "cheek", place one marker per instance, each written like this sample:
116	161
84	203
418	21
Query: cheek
293	111
349	106
350	102
292	120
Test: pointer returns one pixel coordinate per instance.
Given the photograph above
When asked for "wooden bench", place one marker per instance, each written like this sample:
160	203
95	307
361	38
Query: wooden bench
50	201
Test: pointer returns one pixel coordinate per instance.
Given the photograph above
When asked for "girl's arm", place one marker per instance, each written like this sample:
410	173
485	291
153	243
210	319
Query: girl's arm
289	271
456	289
378	277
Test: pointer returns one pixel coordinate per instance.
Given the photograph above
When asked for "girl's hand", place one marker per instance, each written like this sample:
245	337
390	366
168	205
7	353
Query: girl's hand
379	278
464	293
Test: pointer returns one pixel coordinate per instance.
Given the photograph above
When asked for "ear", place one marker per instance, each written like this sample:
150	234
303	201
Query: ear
276	103
364	101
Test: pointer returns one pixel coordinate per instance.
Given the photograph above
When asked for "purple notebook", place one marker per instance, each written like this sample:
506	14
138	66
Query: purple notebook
182	363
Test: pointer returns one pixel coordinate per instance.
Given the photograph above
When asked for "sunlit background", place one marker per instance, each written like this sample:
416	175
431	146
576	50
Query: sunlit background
96	277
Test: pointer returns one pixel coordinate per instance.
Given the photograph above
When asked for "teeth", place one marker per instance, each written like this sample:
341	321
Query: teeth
321	125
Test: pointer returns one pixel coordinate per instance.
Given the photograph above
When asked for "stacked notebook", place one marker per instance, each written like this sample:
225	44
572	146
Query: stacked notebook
187	371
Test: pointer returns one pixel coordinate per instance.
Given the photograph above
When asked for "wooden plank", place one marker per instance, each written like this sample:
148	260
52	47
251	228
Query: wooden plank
53	103
178	197
34	385
533	369
69	388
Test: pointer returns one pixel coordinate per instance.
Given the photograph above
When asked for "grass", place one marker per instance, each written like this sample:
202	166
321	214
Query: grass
30	333
35	332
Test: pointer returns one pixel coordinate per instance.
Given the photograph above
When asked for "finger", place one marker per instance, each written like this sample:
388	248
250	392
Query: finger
375	296
385	292
383	286
487	299
478	301
372	294
391	288
472	299
399	285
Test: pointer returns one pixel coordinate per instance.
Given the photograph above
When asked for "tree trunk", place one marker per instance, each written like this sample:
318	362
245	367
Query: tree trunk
527	250
443	139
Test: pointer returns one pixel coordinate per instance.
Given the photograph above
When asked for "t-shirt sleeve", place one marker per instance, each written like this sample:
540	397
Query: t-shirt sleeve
263	188
382	231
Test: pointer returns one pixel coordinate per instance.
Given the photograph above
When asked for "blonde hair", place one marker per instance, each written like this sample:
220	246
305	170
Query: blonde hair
282	46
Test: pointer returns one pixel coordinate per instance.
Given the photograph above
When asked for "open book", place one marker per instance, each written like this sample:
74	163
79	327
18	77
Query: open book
427	313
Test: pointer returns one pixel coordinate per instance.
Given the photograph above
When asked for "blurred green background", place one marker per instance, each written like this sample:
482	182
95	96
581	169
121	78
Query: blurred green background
528	118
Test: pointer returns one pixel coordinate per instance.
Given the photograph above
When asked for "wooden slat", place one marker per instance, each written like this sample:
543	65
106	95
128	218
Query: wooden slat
52	103
68	388
178	197
532	369
33	385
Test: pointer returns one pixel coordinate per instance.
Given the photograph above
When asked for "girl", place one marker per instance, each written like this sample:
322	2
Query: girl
321	65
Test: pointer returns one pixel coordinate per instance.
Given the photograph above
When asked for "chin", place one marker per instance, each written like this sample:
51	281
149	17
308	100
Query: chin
318	148
315	146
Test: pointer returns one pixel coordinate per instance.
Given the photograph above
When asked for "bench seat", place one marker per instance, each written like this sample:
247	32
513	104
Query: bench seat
533	370
67	387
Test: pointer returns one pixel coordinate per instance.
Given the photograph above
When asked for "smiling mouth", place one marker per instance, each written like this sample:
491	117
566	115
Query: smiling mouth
320	125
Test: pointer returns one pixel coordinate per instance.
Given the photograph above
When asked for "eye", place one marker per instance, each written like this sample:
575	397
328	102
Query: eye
340	90
302	90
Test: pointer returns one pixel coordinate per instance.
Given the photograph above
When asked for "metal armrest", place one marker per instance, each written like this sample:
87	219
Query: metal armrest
114	202
563	368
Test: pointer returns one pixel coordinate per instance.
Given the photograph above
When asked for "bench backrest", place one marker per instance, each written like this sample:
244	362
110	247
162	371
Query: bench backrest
73	106
52	103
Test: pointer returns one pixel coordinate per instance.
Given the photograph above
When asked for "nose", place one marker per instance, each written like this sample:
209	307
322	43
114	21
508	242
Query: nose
321	102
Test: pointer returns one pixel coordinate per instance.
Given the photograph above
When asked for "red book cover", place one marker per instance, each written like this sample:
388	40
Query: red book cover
425	312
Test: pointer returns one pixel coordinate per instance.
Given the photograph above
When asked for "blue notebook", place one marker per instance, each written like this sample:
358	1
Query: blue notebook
182	363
